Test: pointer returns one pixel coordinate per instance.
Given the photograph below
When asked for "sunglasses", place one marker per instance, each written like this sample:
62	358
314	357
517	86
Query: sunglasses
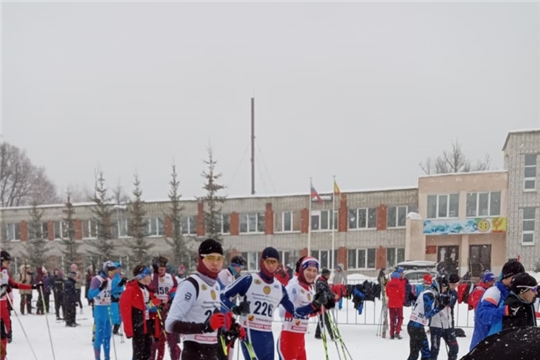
271	261
213	257
533	288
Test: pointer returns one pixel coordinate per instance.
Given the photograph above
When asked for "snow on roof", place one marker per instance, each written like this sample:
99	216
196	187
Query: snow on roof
479	172
515	132
414	216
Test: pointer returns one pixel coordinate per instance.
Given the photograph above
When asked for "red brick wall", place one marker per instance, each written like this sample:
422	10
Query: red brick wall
23	228
200	219
50	230
341	257
381	217
235	224
304	221
168	227
343	216
303	252
269	220
380	257
77	224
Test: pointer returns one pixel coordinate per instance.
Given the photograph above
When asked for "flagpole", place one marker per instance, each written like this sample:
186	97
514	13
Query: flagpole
309	220
333	227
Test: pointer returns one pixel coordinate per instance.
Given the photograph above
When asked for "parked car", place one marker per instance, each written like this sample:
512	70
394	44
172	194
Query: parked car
415	270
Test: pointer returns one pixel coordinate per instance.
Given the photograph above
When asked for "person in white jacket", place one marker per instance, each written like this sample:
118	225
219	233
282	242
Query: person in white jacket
441	325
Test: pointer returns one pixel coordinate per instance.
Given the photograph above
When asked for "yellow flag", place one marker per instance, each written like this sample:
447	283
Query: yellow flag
336	189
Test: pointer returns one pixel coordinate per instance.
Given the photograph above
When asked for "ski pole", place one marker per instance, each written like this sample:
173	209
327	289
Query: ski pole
323	335
113	341
22	327
47	320
343	345
162	323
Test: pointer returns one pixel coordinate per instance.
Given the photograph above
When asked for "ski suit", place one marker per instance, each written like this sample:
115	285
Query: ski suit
423	310
441	327
264	295
102	315
291	343
488	314
196	300
162	285
6	284
117	287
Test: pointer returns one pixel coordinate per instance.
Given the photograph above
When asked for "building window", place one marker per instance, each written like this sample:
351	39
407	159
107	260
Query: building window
225	223
529	181
287	221
361	258
529	215
252	259
363	218
323	219
121	228
155	227
394	256
324	257
252	223
61	230
484	204
90	229
443	206
290	257
397	216
188	225
13	232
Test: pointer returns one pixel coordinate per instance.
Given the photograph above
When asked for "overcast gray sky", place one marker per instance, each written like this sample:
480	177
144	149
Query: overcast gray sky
362	91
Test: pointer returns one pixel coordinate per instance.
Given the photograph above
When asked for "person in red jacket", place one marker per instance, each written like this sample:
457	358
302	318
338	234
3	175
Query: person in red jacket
488	279
6	284
136	303
395	291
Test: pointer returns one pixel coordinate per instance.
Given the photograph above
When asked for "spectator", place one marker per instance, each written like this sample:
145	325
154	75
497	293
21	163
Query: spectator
340	277
488	279
26	277
395	291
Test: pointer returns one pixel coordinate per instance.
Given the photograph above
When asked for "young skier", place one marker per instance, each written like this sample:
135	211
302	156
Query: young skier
264	293
291	343
117	287
70	299
195	309
6	284
135	304
520	307
100	292
428	303
161	285
441	325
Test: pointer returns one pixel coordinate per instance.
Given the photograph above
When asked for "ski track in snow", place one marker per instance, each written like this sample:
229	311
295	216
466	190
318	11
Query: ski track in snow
75	343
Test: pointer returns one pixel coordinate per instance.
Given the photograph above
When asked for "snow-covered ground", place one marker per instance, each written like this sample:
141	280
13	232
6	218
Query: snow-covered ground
75	343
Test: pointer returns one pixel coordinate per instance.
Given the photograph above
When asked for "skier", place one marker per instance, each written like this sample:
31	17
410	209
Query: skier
43	296
395	292
428	303
70	299
489	313
291	343
117	287
6	284
195	309
441	324
321	286
265	294
100	292
520	302
161	285
135	304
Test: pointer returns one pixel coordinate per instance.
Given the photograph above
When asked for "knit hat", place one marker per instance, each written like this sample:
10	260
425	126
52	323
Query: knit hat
400	270
309	261
488	276
523	282
396	275
270	252
108	266
238	260
117	264
4	256
325	272
454	279
512	268
428	279
209	246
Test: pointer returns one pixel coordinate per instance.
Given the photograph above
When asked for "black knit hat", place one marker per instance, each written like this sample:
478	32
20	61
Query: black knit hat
210	246
512	268
454	278
325	272
270	252
522	283
4	255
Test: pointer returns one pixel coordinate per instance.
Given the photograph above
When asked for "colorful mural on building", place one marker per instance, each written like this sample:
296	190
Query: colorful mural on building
464	226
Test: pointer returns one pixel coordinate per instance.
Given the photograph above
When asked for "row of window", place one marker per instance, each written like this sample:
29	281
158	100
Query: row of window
478	204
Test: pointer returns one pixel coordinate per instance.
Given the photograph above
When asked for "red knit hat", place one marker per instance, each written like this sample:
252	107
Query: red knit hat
428	279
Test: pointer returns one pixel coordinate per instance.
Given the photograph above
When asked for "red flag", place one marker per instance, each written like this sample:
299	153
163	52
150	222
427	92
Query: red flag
315	194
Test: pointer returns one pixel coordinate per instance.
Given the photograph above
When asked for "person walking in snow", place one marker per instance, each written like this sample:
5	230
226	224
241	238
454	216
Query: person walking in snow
136	303
100	292
395	292
70	299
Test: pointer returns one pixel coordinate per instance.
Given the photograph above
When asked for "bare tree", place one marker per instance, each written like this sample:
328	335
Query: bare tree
454	161
78	193
119	194
21	182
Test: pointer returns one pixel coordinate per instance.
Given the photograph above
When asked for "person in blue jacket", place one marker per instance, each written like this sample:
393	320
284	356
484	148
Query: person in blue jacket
100	292
491	309
117	288
262	294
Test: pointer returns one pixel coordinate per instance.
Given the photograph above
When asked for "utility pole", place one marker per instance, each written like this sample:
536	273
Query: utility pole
252	146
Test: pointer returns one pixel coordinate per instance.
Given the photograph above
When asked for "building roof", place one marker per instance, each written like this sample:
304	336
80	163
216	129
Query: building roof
480	172
524	131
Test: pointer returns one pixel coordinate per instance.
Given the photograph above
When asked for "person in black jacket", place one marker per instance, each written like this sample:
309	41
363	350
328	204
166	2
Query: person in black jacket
58	291
321	285
70	299
520	303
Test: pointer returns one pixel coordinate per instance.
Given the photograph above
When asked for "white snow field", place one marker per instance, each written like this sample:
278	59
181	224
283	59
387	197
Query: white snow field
75	343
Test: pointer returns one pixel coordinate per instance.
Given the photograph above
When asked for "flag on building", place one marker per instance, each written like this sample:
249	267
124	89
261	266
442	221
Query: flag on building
337	192
315	194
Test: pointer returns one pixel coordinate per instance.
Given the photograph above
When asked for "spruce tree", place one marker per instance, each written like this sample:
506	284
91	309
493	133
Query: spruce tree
212	200
179	251
137	227
103	247
36	247
71	246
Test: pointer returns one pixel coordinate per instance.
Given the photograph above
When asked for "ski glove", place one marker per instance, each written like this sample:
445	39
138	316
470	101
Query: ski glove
444	301
320	299
103	285
4	289
38	285
214	322
241	309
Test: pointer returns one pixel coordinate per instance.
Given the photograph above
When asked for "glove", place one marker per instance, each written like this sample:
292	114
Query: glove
444	301
214	322
241	309
320	299
38	285
241	331
3	289
122	282
103	285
